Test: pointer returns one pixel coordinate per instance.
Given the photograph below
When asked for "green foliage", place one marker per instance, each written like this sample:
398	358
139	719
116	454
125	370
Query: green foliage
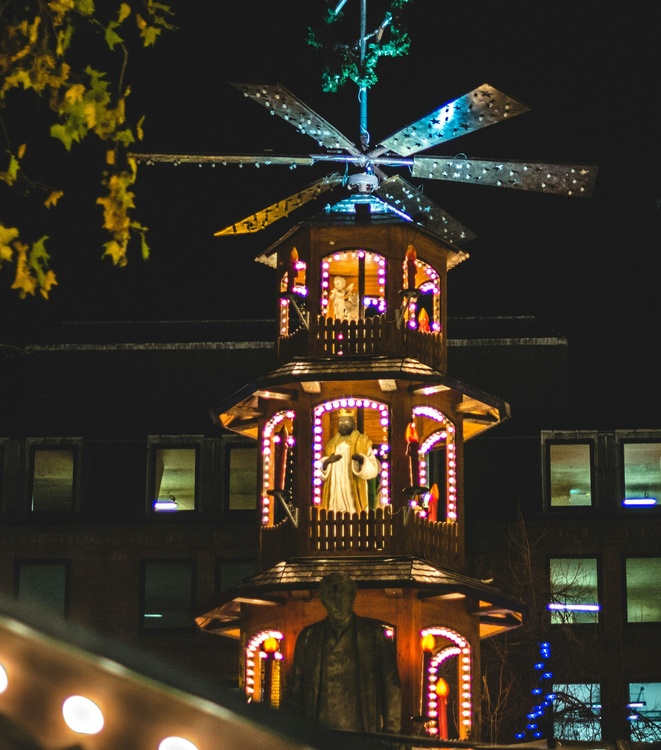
343	61
38	57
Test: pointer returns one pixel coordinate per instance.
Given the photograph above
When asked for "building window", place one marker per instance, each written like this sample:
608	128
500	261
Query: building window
167	595
641	474
173	474
577	712
643	593
53	473
644	711
574	591
569	467
241	476
44	582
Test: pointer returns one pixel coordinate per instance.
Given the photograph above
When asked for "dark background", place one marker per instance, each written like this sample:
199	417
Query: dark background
586	268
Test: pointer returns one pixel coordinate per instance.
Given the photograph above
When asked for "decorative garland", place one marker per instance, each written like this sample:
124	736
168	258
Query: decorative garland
342	64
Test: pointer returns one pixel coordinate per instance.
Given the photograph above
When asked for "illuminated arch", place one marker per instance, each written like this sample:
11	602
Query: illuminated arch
275	456
444	434
462	650
381	446
423	309
263	659
365	271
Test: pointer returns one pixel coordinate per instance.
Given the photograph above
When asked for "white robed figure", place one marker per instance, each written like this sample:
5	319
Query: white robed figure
349	463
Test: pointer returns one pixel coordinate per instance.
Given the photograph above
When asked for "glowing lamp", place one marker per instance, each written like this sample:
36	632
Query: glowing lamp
410	257
639	501
292	271
176	743
82	715
428	642
423	321
271	645
433	502
442	688
3	679
412	447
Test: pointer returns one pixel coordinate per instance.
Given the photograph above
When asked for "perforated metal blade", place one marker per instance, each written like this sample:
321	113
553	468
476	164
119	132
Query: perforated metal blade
571	180
261	219
258	160
281	102
406	198
478	109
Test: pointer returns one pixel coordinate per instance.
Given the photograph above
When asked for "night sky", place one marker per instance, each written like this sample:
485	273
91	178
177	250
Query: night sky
587	268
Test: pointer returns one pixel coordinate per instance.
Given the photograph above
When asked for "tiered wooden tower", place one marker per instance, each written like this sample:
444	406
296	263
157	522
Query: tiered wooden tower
386	360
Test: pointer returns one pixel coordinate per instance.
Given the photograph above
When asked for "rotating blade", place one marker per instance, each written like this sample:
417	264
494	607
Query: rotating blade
279	101
403	196
259	160
560	179
261	219
478	109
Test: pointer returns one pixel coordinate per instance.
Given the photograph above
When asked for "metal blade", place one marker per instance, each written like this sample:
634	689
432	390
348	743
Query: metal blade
402	195
561	179
279	101
261	219
259	160
478	109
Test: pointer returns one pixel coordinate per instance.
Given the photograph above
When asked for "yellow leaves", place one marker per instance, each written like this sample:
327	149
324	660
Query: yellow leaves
53	198
39	52
124	12
74	93
7	237
32	271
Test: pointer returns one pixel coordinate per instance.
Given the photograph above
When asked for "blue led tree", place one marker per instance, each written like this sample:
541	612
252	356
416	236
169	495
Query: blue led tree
540	718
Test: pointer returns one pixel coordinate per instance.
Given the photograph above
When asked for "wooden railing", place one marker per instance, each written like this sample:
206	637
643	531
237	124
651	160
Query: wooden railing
376	336
369	532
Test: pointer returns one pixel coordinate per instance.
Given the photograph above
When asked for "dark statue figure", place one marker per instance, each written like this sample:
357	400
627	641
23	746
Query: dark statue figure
345	672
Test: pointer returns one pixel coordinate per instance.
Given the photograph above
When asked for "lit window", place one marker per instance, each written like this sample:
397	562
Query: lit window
577	712
574	591
167	595
644	711
43	582
241	476
643	593
570	474
642	474
52	480
174	475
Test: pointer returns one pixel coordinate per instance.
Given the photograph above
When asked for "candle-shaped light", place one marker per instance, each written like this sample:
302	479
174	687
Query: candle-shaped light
427	644
270	646
292	271
442	691
423	321
411	269
412	446
280	458
433	502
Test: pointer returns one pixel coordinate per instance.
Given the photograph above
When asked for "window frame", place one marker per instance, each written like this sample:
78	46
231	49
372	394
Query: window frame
173	442
598	572
144	564
75	445
551	438
627	621
230	443
629	437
